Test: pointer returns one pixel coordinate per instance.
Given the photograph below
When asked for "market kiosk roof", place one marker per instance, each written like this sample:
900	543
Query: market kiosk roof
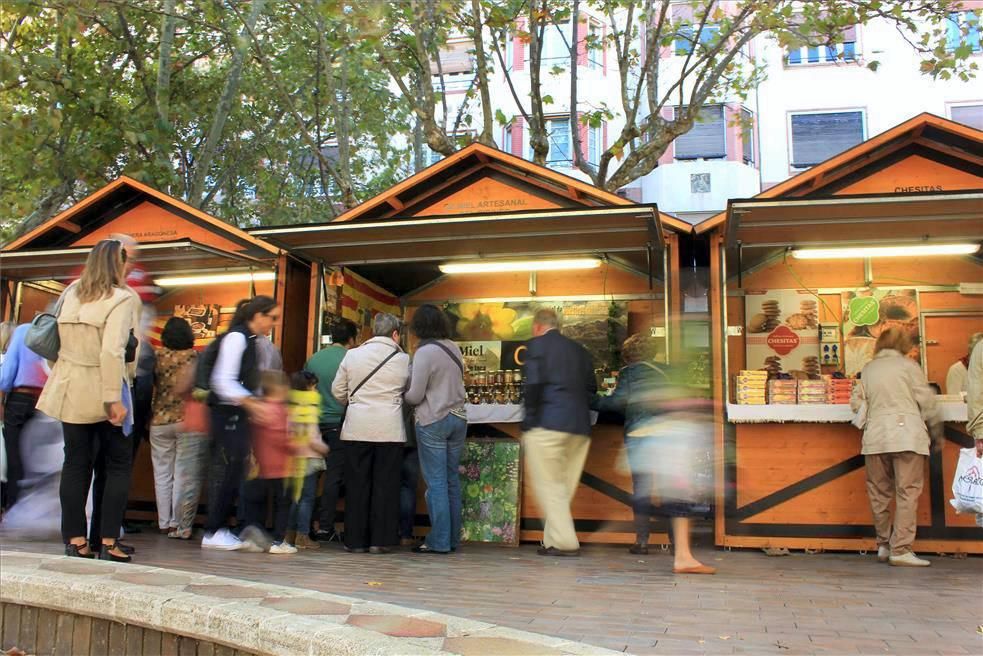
174	236
921	157
478	203
921	181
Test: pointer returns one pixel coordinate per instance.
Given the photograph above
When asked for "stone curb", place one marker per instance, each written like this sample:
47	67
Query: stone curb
224	610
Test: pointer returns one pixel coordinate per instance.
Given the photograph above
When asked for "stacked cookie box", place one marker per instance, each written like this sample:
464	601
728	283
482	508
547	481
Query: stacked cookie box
812	391
840	390
752	387
783	391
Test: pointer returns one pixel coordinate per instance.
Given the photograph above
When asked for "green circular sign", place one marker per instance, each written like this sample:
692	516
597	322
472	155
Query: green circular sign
864	311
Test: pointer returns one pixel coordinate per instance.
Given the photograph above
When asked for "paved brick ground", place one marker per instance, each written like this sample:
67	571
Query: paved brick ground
802	604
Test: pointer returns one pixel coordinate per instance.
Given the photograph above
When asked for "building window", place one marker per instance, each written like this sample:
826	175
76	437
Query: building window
685	39
432	156
962	28
594	146
845	49
818	136
707	138
747	136
595	45
509	50
556	42
558	130
507	138
971	115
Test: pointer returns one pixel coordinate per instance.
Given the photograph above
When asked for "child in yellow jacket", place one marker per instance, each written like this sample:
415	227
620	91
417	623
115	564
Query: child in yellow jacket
309	451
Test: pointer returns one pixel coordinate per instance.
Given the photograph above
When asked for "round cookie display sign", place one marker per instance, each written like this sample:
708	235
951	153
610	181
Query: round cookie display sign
864	311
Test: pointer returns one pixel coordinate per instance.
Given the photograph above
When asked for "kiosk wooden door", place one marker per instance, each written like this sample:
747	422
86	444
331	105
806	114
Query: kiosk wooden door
946	338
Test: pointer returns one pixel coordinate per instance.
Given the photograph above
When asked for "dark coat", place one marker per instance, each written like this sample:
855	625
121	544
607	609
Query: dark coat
559	384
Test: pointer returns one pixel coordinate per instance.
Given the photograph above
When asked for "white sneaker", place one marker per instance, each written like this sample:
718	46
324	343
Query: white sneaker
221	540
908	560
283	548
883	554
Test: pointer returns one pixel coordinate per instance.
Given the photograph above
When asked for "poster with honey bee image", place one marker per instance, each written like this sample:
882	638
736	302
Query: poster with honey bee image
594	324
869	312
783	333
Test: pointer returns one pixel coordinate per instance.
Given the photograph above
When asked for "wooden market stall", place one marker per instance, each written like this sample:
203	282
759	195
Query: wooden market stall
791	474
481	206
204	266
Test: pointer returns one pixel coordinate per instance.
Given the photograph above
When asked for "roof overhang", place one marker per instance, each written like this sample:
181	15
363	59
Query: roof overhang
613	230
164	258
855	219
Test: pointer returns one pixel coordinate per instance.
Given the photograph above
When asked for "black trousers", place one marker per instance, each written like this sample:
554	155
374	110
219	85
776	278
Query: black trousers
84	444
409	480
230	447
372	480
18	408
257	491
334	477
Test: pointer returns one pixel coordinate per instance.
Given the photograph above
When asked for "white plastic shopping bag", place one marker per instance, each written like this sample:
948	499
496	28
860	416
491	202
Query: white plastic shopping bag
967	484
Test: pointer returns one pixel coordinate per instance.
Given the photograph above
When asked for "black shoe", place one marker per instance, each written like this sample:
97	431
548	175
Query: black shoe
322	536
107	553
380	550
125	548
553	551
356	549
424	549
72	551
638	549
131	529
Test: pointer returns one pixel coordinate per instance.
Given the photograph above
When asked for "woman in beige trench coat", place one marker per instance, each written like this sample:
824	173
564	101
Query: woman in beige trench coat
901	416
87	392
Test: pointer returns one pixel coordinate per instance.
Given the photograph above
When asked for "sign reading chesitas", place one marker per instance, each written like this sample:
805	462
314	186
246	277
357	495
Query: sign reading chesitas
782	340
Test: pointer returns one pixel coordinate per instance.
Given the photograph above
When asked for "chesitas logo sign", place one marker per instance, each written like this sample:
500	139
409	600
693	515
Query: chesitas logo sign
782	340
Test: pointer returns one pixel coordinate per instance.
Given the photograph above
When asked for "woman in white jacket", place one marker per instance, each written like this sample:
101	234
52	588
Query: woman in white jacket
901	417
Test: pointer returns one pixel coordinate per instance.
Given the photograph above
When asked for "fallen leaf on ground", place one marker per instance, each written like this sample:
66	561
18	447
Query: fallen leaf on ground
724	637
374	584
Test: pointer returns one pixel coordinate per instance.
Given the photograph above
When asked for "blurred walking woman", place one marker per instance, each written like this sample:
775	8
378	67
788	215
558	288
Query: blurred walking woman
88	392
667	428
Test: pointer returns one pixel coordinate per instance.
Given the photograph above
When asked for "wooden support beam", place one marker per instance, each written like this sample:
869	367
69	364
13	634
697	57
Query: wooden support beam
396	203
416	200
74	228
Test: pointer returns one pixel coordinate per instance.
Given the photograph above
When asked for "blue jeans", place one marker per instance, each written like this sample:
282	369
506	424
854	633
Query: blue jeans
409	478
441	445
302	510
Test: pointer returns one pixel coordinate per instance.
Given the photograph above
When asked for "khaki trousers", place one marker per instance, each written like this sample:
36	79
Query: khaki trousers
895	477
554	462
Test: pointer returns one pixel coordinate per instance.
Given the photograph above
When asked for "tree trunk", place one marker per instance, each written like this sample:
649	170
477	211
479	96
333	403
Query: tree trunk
168	24
481	61
229	93
538	139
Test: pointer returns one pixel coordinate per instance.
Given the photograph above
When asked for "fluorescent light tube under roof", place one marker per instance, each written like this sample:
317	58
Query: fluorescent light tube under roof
214	279
915	250
503	266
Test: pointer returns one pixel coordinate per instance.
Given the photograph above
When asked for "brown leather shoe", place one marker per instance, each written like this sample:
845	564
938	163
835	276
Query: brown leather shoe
305	542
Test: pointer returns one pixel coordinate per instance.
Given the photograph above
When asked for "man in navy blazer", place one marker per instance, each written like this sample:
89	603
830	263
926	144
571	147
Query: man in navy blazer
559	383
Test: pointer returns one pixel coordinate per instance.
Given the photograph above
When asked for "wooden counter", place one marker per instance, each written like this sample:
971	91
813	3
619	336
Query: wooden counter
802	486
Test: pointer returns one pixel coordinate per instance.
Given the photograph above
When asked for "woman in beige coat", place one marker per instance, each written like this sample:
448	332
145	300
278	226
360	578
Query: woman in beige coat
370	382
87	392
901	416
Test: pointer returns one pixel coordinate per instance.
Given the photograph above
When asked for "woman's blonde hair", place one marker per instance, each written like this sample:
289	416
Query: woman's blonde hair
894	338
103	271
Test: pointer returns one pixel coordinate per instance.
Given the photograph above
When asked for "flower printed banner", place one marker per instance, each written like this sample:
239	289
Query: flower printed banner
490	491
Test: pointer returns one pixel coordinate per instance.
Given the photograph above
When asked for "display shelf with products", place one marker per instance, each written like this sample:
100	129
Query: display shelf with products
818	413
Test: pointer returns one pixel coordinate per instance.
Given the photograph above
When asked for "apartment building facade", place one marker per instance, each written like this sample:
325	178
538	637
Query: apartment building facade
812	104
